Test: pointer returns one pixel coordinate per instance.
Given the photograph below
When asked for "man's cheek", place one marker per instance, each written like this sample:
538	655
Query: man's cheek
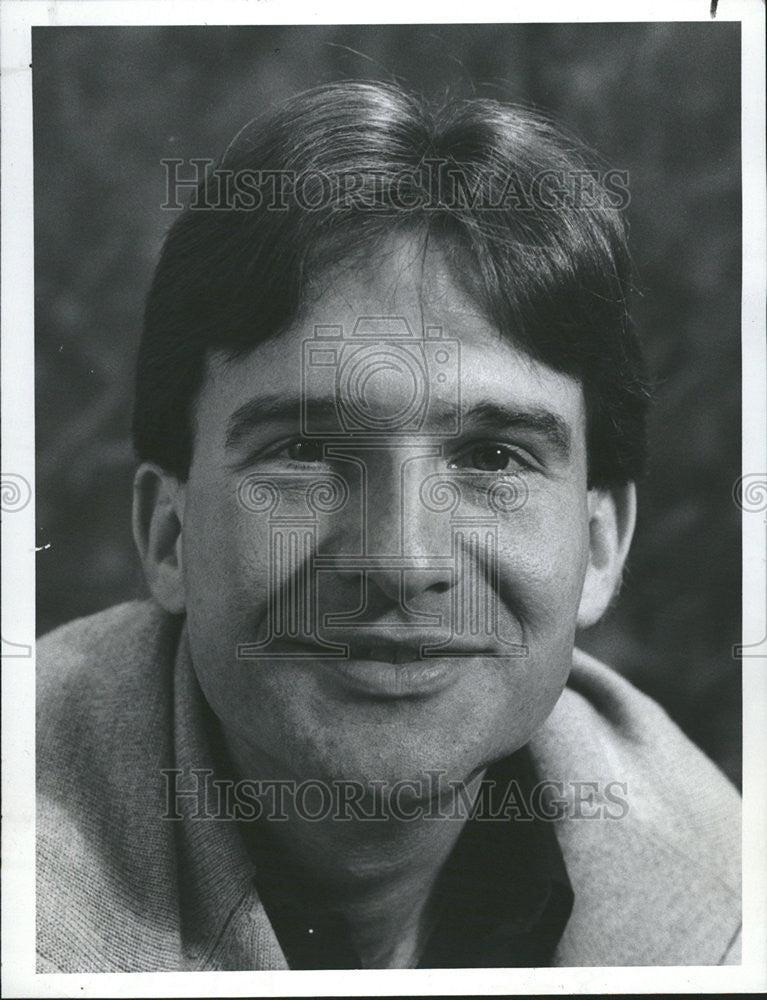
542	564
226	562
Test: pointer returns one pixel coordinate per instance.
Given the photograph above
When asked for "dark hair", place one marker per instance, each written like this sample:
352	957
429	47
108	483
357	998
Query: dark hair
539	233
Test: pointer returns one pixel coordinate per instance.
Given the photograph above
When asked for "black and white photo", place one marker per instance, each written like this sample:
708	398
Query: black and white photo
392	501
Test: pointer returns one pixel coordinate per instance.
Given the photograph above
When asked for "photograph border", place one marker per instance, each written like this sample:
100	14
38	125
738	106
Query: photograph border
19	541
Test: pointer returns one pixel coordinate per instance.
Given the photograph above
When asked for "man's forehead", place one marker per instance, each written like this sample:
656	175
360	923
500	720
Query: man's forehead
494	379
404	303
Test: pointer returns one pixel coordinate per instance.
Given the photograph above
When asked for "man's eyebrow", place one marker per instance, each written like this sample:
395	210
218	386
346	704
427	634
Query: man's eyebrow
270	408
536	419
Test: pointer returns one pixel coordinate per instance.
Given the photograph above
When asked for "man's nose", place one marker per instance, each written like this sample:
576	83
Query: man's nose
408	546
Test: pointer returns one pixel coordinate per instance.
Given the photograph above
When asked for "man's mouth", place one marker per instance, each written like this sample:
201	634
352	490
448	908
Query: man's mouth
393	664
384	653
397	651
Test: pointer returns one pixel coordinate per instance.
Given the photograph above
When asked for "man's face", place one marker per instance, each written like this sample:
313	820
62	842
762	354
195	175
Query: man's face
497	588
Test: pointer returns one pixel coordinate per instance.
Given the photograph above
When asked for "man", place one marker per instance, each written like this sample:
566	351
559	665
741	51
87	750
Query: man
389	412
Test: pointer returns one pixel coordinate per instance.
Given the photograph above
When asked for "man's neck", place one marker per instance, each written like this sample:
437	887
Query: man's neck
379	875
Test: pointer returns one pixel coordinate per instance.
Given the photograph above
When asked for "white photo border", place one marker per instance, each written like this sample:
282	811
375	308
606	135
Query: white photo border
18	526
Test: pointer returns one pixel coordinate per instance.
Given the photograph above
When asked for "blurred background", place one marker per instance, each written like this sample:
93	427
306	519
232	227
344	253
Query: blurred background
659	100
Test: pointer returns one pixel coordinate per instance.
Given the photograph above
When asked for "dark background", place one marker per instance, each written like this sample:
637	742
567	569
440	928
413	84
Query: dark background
659	100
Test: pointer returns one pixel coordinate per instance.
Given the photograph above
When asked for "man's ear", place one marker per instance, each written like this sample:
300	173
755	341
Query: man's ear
158	517
612	515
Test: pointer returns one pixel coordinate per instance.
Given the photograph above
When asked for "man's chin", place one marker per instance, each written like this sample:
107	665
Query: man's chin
395	789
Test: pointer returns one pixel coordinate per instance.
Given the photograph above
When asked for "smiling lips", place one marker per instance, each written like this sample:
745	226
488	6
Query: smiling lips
381	667
399	653
383	648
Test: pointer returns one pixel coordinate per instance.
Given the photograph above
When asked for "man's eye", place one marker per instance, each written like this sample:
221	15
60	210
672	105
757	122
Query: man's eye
305	451
487	458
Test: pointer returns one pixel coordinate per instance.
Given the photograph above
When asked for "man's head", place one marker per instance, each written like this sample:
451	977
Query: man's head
442	228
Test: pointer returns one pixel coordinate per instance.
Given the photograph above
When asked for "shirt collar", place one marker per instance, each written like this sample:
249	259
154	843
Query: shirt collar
504	890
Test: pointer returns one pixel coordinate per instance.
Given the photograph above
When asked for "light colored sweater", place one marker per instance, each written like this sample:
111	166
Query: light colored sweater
122	889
